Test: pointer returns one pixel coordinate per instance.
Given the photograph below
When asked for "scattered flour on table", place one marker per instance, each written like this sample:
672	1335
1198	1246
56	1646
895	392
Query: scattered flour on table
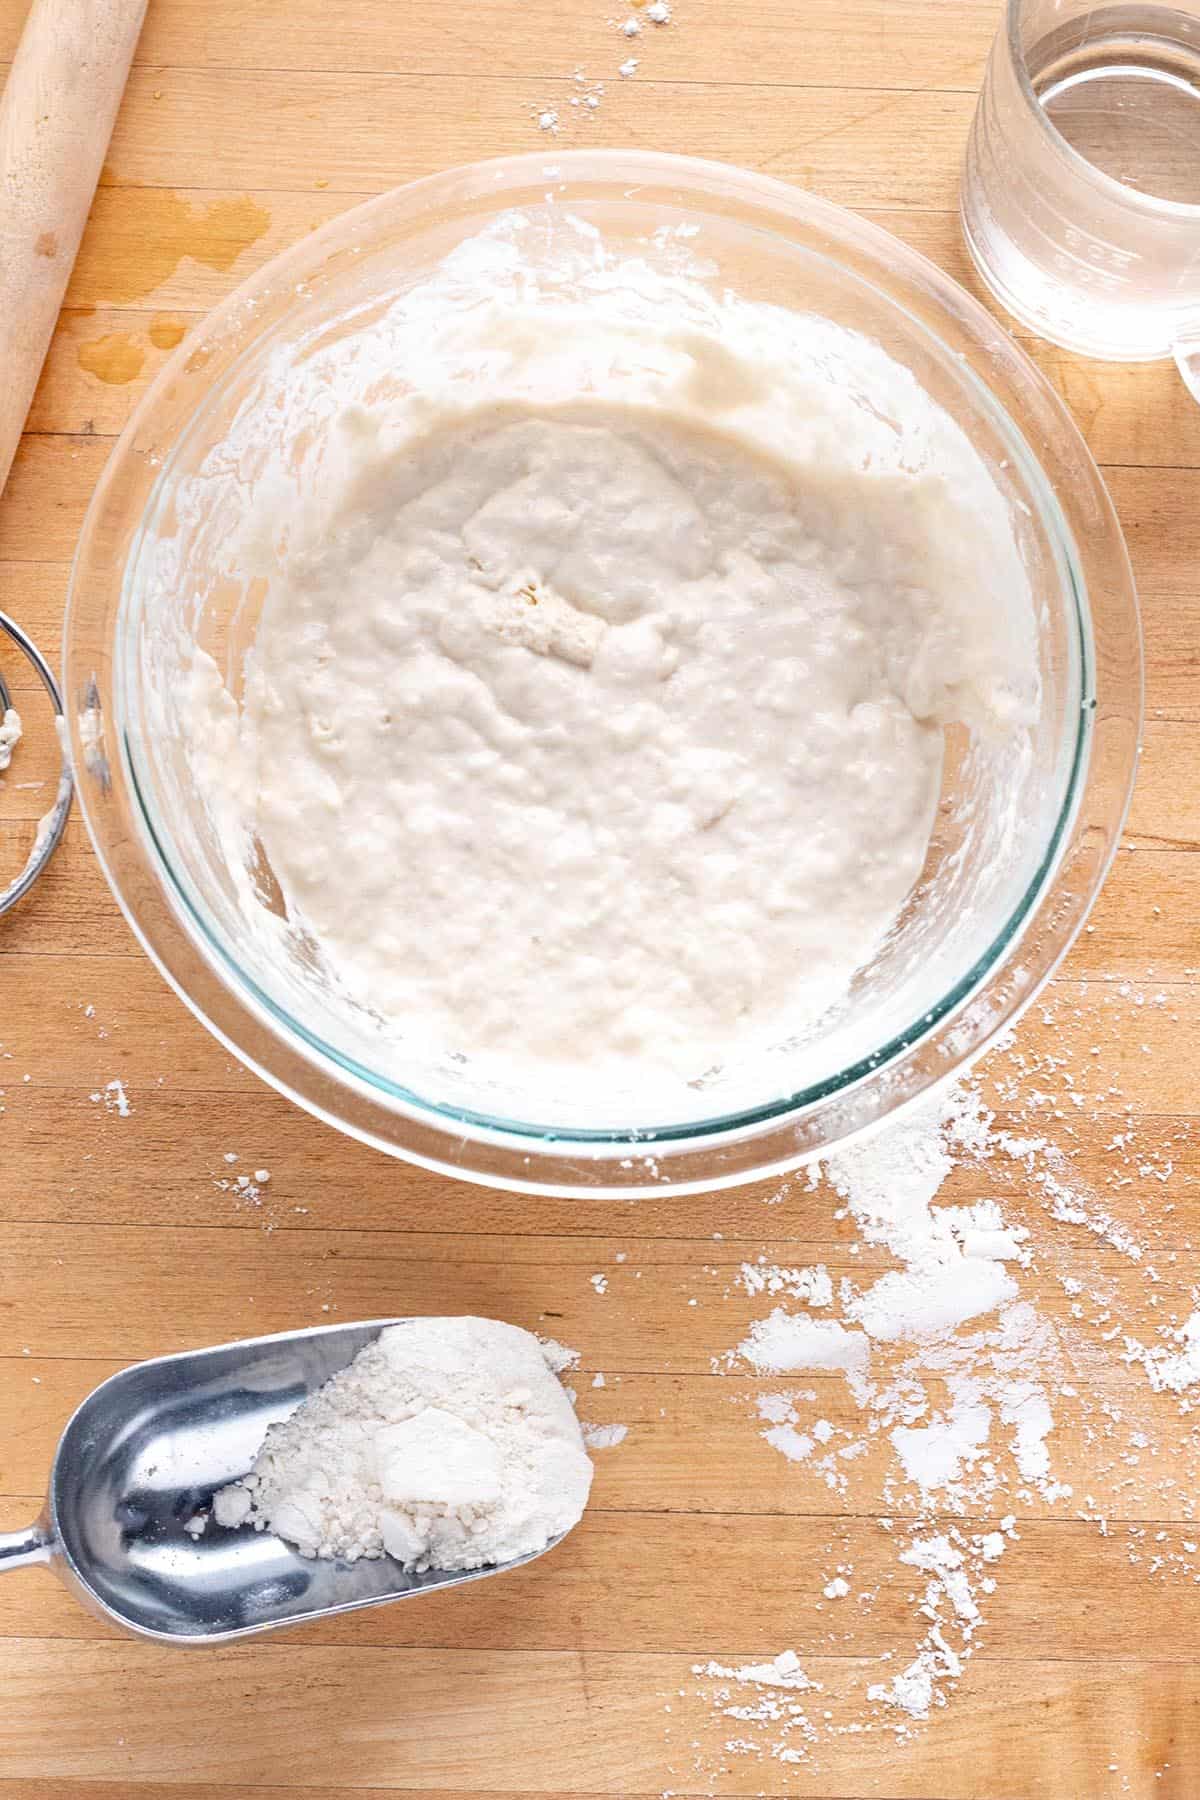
961	1398
954	1270
245	1188
114	1098
584	95
446	1444
604	1437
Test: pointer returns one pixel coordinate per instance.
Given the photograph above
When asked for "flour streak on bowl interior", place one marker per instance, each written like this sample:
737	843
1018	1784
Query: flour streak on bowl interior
586	659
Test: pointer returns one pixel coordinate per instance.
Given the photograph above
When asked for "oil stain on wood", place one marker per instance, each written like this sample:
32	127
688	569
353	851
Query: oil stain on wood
166	331
118	357
114	358
138	236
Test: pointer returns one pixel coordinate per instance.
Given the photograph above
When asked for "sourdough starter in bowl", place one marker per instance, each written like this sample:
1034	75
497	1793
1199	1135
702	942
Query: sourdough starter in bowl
585	729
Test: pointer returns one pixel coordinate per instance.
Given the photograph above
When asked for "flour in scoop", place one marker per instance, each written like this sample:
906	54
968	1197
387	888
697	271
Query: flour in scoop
446	1444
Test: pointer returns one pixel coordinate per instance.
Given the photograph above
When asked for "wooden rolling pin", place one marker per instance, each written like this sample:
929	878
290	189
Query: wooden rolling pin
56	117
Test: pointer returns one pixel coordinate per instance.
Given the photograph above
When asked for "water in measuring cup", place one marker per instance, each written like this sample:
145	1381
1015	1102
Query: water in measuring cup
1081	249
1122	86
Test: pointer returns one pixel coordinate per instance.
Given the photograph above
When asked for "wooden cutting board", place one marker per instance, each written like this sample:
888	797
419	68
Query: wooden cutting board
246	124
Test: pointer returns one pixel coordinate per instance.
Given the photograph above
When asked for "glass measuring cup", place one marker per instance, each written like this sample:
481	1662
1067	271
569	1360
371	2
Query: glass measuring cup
1080	197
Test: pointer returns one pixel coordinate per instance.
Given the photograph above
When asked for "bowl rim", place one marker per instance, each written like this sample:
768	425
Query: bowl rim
491	1150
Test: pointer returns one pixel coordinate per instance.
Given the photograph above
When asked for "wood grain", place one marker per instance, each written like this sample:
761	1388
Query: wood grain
247	124
547	1722
55	118
915	43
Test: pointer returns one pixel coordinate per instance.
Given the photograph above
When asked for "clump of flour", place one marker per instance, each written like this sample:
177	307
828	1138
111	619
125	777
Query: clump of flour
446	1444
10	735
113	1097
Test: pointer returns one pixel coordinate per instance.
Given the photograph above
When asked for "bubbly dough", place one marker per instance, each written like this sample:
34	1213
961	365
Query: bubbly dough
574	740
578	735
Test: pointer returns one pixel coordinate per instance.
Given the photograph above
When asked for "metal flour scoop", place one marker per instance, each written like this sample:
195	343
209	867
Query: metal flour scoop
145	1452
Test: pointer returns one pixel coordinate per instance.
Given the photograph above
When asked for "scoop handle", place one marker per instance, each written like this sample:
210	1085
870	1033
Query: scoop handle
56	117
20	1548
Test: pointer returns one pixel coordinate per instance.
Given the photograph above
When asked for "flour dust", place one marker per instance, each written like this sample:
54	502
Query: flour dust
632	29
939	1405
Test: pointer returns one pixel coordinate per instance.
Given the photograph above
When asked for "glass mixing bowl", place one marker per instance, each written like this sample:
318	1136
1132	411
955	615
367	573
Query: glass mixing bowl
1023	836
